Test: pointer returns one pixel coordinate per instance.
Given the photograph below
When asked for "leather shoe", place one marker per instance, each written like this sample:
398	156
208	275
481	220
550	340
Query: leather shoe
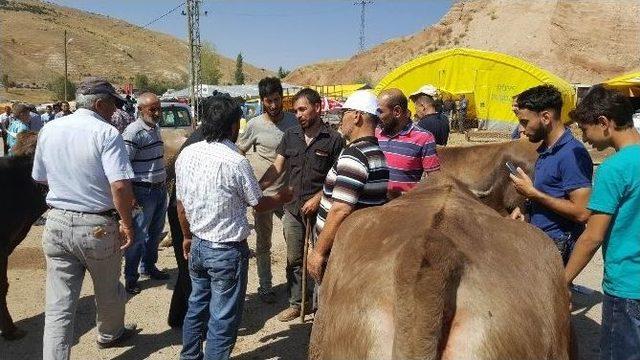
156	274
129	331
132	288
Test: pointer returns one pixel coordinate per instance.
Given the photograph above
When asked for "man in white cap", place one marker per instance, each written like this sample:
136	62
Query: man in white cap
357	180
429	118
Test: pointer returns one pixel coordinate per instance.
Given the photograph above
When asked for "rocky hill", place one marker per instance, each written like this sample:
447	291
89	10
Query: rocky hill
31	47
583	41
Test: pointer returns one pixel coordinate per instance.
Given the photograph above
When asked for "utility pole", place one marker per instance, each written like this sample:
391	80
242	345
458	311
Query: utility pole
65	66
193	21
363	4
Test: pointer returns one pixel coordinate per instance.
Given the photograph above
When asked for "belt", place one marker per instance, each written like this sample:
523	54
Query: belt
110	213
148	185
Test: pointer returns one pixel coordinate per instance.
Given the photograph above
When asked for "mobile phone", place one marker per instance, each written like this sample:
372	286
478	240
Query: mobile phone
512	168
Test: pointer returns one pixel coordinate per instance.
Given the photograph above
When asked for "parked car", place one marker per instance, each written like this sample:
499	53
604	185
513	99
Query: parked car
175	126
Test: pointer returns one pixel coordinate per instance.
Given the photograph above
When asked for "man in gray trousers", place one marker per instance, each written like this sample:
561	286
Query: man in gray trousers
83	160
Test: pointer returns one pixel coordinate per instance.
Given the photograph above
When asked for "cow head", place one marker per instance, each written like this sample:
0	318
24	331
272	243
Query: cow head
481	169
26	144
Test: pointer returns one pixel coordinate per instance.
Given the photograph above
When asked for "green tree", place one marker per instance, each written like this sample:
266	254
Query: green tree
56	85
210	65
141	82
5	80
282	73
239	75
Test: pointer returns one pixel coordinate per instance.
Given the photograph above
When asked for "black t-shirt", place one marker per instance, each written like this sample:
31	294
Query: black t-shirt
438	125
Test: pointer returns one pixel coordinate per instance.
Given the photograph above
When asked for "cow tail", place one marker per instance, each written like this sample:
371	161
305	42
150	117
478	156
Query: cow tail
427	279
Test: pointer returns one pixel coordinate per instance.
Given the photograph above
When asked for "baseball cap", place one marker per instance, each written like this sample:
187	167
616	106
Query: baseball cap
95	85
427	89
362	100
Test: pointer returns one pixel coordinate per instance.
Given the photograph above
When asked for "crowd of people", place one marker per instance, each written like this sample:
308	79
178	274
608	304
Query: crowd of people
111	196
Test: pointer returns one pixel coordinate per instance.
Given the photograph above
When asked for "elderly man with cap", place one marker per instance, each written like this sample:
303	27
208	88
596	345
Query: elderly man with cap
83	160
428	116
410	150
357	180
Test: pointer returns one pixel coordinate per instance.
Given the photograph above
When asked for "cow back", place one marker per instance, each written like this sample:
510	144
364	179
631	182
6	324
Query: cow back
407	279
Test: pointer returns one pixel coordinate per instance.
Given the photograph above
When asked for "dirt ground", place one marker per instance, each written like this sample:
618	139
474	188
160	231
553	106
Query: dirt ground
261	336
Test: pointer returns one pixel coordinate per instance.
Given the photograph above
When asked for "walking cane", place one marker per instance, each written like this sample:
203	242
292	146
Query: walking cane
307	235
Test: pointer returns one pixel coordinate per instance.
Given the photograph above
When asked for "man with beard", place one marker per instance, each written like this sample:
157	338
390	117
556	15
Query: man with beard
307	153
146	153
264	133
558	193
409	149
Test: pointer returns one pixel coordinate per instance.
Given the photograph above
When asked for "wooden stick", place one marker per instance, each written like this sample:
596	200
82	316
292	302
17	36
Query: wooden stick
307	235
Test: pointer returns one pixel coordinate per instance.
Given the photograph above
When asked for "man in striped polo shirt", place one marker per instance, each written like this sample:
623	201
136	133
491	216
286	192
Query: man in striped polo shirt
146	153
357	180
409	149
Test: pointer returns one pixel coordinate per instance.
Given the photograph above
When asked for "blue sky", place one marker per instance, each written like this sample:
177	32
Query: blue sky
271	34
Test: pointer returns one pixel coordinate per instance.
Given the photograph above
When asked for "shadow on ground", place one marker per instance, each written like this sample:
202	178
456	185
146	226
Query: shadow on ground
30	347
589	334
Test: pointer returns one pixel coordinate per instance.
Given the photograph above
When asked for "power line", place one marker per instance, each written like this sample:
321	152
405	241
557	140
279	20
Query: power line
165	14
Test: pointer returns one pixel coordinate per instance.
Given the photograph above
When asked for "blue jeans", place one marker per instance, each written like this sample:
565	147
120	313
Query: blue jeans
565	244
219	284
149	224
620	331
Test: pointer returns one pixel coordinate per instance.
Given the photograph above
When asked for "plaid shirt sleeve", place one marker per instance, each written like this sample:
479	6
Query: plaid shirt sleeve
430	161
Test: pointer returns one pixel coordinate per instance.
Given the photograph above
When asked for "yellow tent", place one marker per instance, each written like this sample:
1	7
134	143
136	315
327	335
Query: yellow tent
628	83
489	80
337	91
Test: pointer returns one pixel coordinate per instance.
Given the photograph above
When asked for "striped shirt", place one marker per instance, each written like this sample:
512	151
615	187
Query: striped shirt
146	152
359	178
409	154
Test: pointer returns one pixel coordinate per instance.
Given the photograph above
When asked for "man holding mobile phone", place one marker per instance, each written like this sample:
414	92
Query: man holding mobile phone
560	189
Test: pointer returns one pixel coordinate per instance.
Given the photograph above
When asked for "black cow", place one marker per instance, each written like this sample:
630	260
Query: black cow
23	202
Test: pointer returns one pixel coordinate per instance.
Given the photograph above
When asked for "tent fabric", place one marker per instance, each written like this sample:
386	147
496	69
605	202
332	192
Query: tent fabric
489	81
625	80
627	83
338	90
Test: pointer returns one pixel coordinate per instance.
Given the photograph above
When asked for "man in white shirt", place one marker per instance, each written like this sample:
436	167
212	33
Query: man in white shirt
84	162
214	186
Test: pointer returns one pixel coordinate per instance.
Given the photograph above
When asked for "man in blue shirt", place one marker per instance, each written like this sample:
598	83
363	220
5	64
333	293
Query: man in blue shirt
48	115
605	117
560	189
19	123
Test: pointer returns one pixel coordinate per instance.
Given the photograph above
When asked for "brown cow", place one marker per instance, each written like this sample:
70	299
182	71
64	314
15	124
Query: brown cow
437	274
481	169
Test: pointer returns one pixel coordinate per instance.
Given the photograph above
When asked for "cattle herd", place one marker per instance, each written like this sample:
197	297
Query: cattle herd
439	273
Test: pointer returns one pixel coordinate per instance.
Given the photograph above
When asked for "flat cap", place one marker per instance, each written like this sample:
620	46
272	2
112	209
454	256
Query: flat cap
96	85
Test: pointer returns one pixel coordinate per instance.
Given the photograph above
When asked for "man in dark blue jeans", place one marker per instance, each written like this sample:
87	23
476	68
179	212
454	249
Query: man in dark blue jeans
605	117
558	194
214	186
